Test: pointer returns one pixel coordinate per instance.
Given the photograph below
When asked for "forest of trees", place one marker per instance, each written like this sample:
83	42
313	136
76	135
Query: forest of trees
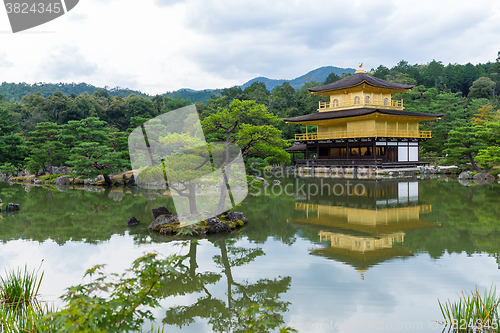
60	128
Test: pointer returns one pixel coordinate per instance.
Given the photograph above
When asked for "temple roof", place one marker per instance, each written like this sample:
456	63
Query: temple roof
357	79
299	147
358	112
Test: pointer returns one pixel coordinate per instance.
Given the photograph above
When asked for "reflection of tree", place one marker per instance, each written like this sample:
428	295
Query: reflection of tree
223	315
74	215
469	217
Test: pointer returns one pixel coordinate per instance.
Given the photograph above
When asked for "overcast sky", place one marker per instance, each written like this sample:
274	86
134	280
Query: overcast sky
164	45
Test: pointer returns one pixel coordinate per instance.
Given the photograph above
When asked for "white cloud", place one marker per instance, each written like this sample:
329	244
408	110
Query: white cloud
4	62
66	63
162	45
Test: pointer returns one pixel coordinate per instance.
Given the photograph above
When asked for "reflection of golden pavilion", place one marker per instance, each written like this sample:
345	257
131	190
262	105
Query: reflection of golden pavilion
373	221
361	243
365	236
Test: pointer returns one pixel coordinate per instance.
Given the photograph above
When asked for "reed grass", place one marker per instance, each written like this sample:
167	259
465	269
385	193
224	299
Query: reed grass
473	312
20	309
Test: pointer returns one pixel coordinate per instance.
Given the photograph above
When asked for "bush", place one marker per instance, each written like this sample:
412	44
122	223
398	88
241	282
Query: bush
50	178
495	172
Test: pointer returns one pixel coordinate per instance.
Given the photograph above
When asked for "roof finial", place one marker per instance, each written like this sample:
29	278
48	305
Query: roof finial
360	70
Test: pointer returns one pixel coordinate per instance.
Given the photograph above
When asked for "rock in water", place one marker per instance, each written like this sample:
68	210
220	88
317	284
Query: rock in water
162	210
12	207
133	221
131	181
235	216
465	175
163	221
61	181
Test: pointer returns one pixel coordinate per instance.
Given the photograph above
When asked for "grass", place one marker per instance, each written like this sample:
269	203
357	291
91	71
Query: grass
20	309
473	312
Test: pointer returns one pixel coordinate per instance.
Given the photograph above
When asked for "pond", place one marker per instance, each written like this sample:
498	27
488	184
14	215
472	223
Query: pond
336	255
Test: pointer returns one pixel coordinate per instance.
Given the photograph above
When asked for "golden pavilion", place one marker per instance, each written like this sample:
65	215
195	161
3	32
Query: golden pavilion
361	124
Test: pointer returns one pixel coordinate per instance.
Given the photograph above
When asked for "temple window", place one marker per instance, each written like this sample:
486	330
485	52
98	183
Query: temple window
367	99
386	101
335	103
356	100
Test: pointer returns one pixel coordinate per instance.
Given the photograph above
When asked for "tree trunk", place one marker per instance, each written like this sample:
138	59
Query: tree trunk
474	165
192	259
192	198
227	270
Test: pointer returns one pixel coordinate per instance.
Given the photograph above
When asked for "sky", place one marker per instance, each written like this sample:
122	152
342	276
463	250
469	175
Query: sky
157	46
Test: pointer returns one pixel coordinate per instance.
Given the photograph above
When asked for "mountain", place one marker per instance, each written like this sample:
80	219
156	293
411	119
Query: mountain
319	74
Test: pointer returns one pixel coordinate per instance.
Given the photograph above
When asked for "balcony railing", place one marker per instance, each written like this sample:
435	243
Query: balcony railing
376	104
363	134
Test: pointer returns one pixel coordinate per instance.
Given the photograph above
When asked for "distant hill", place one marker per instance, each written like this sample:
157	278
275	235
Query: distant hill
16	91
319	74
194	95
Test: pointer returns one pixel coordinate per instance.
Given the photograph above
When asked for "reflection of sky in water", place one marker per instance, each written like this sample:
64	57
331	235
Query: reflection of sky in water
322	291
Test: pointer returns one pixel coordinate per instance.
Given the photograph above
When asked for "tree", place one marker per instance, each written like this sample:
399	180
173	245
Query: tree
45	148
483	87
246	124
332	77
12	145
93	148
463	146
488	157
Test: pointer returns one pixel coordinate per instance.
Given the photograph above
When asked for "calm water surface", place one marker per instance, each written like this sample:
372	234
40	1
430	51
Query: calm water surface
372	259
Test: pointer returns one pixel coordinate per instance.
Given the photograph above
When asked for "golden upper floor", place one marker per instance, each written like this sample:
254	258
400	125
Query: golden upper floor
360	91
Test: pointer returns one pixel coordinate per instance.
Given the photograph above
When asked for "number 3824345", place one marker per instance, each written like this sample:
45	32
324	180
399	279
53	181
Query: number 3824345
25	8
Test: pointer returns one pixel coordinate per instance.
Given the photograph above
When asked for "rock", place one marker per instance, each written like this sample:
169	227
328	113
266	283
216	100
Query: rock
63	170
276	182
119	183
61	181
235	216
12	207
219	228
163	221
125	169
260	179
133	221
162	210
124	177
131	181
483	178
465	175
212	221
38	182
166	231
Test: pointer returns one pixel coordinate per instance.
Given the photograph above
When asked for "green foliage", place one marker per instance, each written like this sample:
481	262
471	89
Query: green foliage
473	312
45	147
483	87
463	146
260	319
116	303
247	124
488	157
49	178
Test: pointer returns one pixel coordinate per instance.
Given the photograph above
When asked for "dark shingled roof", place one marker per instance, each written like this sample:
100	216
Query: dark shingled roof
358	78
358	112
299	147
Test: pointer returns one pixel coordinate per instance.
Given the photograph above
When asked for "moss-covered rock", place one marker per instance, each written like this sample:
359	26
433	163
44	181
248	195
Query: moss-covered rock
169	224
